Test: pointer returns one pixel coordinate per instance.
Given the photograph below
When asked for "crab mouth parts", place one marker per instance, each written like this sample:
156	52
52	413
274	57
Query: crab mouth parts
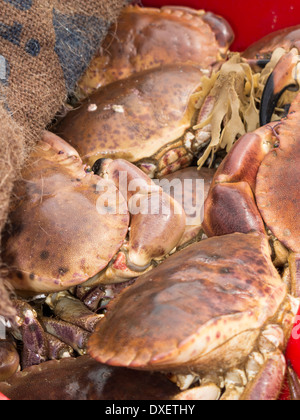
258	376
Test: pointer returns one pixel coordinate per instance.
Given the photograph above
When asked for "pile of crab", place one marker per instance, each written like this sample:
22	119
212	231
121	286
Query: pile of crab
117	279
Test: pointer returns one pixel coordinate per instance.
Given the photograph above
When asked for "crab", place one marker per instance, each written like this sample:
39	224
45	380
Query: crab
145	38
257	185
217	311
144	104
62	207
84	379
202	119
260	52
225	346
144	119
68	225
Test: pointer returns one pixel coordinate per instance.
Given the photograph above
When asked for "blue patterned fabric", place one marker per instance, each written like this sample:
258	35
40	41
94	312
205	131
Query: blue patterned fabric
77	38
11	33
20	4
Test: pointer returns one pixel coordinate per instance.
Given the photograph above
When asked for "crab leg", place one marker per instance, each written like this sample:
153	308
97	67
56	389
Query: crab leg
294	264
72	310
90	297
35	344
231	205
267	384
157	221
58	349
70	334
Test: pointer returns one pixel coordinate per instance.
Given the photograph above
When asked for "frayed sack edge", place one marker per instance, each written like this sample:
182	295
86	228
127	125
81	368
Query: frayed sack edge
12	157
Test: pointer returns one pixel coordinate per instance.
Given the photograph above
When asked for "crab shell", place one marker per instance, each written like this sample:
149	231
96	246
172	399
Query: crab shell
85	379
142	119
56	237
202	310
277	186
144	38
284	38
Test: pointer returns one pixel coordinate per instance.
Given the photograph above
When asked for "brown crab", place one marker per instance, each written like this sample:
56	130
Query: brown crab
144	119
217	311
144	114
261	51
85	379
63	199
257	185
144	38
68	225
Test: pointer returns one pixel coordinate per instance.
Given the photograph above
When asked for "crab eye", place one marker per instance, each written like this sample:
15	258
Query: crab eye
98	166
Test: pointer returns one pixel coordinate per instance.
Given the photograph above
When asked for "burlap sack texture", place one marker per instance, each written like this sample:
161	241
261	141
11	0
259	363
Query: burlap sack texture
45	45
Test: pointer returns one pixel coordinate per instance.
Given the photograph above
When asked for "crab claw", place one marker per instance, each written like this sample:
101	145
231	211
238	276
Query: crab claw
230	206
286	76
157	221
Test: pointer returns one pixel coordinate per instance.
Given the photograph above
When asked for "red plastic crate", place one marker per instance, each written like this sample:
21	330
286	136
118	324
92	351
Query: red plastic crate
250	20
3	397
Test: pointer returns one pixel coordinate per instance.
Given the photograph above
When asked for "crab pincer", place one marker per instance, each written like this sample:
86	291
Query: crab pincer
157	221
190	187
